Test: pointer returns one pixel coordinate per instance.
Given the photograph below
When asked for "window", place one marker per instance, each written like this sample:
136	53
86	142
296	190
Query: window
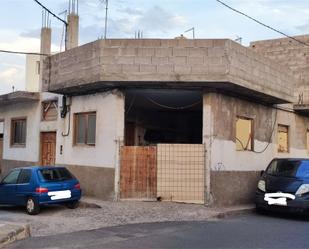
85	128
59	174
11	178
18	131
283	138
24	176
244	134
288	168
49	110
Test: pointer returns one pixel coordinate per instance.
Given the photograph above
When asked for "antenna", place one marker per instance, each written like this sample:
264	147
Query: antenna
105	22
238	39
193	32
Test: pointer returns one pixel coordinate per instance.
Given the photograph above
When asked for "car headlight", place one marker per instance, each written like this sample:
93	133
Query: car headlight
303	189
261	185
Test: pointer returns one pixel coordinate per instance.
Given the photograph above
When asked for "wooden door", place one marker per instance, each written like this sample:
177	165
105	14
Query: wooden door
48	148
129	134
138	173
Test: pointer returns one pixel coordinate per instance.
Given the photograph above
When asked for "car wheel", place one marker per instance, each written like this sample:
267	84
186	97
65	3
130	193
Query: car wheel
32	206
72	204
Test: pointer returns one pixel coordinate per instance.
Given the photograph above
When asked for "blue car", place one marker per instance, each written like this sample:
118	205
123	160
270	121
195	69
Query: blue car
35	186
284	186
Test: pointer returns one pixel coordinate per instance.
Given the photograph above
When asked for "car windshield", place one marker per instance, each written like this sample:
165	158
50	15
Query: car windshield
57	174
289	168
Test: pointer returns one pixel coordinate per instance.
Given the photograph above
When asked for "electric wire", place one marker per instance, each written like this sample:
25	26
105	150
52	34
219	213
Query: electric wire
172	107
269	140
261	23
20	52
49	11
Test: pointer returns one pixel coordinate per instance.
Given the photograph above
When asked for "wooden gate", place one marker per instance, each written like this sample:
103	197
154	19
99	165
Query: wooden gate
48	148
138	173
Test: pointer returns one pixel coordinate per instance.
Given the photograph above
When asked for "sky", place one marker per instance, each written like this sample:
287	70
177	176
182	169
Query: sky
20	24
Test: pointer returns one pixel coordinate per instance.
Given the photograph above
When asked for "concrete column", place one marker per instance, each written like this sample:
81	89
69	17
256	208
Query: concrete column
208	137
72	31
45	49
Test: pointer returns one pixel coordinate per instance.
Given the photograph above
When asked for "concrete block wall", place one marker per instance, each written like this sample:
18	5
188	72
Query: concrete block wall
117	62
292	54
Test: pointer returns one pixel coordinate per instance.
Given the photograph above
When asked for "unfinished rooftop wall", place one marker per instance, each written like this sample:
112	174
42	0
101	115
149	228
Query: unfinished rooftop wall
221	64
292	54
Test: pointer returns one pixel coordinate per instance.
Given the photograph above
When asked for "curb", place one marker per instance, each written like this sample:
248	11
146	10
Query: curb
10	232
234	212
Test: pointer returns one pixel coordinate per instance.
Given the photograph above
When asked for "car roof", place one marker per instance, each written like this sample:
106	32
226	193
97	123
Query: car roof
291	159
39	167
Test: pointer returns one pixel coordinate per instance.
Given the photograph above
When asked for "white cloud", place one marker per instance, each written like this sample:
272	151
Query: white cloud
11	76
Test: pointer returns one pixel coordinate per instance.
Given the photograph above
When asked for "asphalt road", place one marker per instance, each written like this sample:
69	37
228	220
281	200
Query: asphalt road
247	231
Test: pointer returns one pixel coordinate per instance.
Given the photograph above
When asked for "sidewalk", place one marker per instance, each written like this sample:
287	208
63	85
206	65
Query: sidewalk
10	232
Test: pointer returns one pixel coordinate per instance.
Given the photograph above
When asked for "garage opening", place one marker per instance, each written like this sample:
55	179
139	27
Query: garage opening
163	156
163	116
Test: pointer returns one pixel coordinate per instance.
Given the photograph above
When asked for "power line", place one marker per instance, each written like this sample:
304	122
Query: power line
173	107
19	52
263	24
50	12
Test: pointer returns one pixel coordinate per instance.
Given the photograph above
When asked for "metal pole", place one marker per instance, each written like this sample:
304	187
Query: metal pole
106	8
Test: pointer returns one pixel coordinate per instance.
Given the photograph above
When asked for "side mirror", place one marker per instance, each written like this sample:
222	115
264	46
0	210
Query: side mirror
262	172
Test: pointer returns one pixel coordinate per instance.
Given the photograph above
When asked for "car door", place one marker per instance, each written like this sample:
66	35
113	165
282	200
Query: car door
8	187
24	187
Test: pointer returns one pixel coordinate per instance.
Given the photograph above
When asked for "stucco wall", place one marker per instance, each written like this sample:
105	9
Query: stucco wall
236	167
223	148
31	111
32	75
109	108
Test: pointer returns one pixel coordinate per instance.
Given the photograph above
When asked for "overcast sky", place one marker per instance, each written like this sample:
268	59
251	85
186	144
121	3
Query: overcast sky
20	23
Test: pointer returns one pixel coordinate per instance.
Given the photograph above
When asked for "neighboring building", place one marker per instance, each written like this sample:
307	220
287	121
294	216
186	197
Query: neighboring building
32	73
177	119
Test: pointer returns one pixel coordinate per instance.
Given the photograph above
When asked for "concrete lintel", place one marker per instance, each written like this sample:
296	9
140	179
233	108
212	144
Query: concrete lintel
228	88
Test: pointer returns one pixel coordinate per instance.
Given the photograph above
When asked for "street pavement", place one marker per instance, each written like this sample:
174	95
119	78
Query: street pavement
246	231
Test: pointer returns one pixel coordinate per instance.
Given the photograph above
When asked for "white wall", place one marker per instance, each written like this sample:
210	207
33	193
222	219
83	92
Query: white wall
109	108
31	111
32	76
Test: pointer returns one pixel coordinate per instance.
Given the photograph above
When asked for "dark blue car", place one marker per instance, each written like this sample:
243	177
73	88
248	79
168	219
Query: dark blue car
36	186
284	186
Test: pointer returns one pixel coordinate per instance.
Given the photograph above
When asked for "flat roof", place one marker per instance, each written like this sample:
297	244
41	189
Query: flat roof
19	97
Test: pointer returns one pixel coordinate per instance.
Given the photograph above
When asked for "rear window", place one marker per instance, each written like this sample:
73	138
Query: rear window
57	174
289	168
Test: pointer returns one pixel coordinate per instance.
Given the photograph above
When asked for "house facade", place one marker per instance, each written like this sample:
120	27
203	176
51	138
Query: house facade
179	120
